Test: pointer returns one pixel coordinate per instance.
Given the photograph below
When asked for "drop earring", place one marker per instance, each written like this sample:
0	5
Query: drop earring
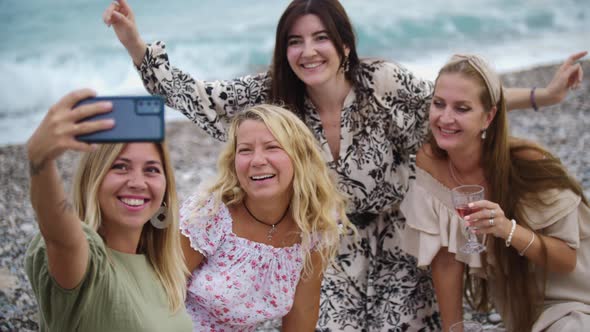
483	133
160	220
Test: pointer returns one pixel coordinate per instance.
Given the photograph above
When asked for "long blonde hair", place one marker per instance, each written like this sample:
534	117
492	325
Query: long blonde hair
161	246
511	178
317	206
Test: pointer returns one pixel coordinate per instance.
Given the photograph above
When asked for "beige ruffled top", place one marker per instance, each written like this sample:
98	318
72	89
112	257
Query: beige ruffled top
432	223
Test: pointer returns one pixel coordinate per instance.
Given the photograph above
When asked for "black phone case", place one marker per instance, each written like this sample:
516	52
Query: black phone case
137	119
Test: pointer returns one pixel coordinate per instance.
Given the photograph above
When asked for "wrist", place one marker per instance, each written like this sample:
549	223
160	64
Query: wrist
544	97
532	99
137	51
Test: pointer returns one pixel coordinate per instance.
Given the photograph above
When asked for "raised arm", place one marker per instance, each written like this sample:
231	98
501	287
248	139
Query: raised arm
66	244
208	104
120	16
304	314
568	76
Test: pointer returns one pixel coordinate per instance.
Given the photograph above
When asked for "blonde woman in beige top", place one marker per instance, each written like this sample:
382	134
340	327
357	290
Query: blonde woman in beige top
535	214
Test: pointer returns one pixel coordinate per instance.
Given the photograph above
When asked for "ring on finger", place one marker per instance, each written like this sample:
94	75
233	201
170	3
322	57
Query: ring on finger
492	213
491	221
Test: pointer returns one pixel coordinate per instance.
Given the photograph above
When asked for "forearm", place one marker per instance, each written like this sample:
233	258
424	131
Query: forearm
55	214
447	276
137	51
560	258
520	98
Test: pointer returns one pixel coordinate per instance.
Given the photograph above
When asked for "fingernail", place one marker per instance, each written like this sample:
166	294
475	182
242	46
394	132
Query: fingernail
106	105
467	218
471	205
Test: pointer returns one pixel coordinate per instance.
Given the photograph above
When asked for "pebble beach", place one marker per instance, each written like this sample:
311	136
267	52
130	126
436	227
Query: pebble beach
562	128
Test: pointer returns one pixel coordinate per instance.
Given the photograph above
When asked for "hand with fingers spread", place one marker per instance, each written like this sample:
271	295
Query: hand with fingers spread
568	76
489	219
58	130
120	16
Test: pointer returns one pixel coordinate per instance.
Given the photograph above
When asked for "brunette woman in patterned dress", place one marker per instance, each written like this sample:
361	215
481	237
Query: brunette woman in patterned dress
369	116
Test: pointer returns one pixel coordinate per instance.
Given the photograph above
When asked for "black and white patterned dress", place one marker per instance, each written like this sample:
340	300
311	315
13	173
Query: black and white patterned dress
376	287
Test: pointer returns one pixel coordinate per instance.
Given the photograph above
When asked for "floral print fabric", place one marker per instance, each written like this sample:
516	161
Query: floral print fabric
241	283
383	123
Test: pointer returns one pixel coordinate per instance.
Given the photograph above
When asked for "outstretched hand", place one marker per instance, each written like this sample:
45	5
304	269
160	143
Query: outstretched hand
120	16
568	76
58	130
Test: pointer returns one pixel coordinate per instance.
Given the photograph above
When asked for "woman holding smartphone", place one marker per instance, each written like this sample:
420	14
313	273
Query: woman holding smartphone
109	257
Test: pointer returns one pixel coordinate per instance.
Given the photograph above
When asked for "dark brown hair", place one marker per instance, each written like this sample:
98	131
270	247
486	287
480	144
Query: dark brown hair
286	87
512	175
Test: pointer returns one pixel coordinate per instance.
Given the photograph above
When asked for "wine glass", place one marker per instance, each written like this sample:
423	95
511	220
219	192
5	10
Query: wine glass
466	326
462	196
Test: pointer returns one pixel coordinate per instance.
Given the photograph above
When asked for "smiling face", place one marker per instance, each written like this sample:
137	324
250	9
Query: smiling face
263	168
457	115
311	53
133	188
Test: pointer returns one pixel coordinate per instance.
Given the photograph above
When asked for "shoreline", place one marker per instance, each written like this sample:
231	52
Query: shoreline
561	128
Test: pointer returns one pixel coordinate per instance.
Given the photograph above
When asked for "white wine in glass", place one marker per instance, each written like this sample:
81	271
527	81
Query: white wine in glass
462	196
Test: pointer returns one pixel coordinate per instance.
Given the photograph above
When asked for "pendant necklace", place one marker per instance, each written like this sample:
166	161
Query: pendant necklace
455	177
272	229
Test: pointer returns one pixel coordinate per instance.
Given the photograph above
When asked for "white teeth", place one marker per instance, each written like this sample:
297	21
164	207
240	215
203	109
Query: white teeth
262	177
448	131
311	65
133	201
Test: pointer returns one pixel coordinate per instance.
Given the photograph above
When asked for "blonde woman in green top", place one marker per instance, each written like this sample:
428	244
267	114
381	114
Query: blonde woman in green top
107	260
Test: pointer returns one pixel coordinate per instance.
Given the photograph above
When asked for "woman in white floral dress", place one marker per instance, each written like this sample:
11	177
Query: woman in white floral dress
369	116
260	237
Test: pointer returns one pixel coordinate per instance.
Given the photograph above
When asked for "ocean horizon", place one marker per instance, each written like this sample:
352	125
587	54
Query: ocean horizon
52	47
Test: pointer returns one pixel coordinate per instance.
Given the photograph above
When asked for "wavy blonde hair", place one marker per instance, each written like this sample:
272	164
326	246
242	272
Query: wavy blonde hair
161	246
317	206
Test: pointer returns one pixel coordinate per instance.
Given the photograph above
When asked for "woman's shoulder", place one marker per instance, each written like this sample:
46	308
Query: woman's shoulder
389	83
375	70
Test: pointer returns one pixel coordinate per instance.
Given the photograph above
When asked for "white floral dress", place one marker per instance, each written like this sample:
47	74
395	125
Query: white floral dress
241	283
384	119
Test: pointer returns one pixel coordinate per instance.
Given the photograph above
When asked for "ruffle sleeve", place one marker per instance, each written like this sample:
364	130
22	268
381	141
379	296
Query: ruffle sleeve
562	215
432	223
203	222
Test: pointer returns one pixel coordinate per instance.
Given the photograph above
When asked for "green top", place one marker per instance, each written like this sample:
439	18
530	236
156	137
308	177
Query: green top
119	292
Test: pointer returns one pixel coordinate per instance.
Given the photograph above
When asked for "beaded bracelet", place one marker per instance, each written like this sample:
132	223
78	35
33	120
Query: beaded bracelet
533	101
528	245
509	239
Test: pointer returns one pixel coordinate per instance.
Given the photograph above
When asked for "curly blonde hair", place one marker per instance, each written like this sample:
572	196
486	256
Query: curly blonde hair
317	206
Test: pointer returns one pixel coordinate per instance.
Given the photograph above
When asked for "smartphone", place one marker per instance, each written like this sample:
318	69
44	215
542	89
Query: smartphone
137	119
